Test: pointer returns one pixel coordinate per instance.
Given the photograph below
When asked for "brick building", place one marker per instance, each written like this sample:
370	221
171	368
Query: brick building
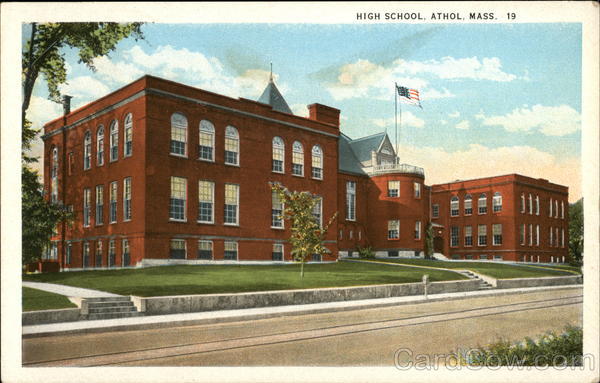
158	172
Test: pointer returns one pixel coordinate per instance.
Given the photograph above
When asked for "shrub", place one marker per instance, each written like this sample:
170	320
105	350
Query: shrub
366	252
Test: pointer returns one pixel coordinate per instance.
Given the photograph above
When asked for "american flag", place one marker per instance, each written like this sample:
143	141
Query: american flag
409	96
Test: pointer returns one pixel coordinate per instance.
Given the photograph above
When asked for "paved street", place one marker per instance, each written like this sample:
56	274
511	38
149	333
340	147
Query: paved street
356	338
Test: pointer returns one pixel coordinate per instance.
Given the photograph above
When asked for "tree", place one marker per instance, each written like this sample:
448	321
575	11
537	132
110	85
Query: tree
576	232
429	241
307	236
42	55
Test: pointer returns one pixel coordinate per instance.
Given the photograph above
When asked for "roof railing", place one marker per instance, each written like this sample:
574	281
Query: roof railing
397	168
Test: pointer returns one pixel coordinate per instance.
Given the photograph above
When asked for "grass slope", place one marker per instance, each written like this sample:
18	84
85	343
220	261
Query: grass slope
495	270
34	300
210	279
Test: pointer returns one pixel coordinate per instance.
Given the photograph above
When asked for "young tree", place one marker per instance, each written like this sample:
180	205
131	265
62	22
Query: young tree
307	234
429	241
576	232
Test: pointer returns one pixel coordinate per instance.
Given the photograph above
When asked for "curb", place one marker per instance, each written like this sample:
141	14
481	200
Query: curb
228	316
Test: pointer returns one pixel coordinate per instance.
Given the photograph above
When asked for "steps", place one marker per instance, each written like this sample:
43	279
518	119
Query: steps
109	308
483	285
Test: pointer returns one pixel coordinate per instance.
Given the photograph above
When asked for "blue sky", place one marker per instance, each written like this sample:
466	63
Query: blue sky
497	98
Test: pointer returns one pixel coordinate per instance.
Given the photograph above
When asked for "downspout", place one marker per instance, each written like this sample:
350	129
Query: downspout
66	102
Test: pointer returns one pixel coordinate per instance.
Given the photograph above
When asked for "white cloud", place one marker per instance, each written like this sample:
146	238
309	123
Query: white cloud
443	122
407	119
41	110
454	114
300	110
117	72
84	89
464	125
488	68
467	164
549	120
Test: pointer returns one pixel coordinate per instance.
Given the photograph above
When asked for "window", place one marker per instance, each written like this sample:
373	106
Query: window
231	251
205	250
555	208
100	146
497	234
393	229
206	201
317	162
68	255
177	204
417	187
206	141
297	159
351	201
562	238
128	149
276	211
522	202
54	176
359	235
498	258
468	204
482	235
127	199
468	236
454	206
550	208
71	163
177	249
562	209
537	235
551	241
435	210
232	146
86	207
483	256
111	253
530	200
179	125
278	155
482	204
98	256
113	202
556	237
351	235
126	257
497	202
86	254
99	204
418	230
114	140
454	236
231	204
317	211
530	235
393	188
537	205
277	252
87	150
341	234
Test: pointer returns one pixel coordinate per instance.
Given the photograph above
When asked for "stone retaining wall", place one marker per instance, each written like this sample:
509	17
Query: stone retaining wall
49	316
540	281
212	302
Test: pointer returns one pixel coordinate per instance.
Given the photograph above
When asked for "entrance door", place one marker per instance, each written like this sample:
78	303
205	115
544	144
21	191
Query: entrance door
438	244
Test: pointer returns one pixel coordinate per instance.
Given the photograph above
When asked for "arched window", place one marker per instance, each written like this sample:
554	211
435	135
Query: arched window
128	150
87	150
54	176
297	159
537	205
522	202
550	208
562	209
317	162
179	126
278	155
497	202
454	206
114	140
482	204
530	199
232	146
206	138
100	146
555	208
468	204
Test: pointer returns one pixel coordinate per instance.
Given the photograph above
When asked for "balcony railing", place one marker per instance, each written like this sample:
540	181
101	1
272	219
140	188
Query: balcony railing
397	168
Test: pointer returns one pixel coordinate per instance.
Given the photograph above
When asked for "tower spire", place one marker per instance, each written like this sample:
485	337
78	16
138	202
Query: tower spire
271	75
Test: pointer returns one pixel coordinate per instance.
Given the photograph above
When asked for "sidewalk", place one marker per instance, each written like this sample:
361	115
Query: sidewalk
68	291
201	318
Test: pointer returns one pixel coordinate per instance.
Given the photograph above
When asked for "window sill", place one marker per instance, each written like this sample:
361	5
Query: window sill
234	165
298	175
178	220
128	156
231	224
99	224
206	222
205	160
350	220
317	179
277	228
393	239
277	172
127	220
178	155
112	223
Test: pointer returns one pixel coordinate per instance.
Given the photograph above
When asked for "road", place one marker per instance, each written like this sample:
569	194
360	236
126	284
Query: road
368	337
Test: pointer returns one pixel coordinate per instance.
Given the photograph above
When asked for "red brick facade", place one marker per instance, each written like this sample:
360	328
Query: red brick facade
147	165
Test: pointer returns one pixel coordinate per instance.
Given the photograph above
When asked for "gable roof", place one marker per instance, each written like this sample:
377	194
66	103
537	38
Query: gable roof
273	97
362	147
347	161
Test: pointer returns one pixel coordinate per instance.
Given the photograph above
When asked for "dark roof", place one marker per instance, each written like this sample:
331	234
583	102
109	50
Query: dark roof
273	97
347	161
363	147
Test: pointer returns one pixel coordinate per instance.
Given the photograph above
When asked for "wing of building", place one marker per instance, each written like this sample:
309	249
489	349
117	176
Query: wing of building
158	172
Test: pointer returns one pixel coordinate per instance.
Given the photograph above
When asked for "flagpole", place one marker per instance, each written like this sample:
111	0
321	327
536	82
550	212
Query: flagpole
396	119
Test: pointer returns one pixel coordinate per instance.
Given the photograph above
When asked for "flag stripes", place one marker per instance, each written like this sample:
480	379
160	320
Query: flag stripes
409	96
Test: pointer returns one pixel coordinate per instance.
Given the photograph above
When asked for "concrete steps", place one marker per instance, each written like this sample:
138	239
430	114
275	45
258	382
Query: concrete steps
483	285
109	308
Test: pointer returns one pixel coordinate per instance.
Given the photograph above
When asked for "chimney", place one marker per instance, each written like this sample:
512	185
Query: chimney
66	103
324	113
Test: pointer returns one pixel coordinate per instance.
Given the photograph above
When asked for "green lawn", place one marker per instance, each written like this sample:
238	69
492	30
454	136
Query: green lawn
210	279
34	300
494	270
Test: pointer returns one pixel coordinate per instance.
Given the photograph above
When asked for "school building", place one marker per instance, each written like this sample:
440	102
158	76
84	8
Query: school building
159	172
